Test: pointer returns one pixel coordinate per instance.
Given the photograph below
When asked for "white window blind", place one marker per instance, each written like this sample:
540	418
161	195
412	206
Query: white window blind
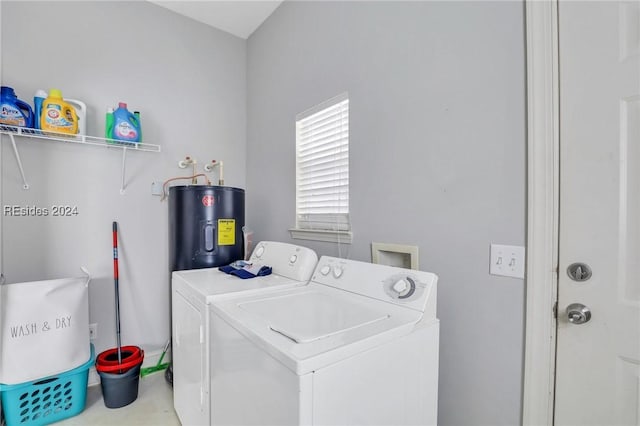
322	164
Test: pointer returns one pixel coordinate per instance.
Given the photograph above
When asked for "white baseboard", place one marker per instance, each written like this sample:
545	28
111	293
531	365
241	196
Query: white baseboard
150	359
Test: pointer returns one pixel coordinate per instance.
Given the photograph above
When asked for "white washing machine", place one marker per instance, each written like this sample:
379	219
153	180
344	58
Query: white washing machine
358	345
192	293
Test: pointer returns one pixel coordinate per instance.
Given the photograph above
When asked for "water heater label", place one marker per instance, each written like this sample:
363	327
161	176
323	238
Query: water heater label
226	232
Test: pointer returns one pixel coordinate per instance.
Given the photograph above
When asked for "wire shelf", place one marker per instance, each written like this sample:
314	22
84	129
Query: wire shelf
77	139
13	131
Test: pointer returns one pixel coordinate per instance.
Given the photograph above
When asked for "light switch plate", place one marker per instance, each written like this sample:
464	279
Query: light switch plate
507	261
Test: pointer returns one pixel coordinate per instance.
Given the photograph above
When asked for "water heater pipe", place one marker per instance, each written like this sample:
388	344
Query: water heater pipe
209	167
186	162
193	178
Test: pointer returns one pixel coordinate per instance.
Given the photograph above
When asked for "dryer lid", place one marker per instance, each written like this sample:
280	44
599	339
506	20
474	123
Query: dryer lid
310	316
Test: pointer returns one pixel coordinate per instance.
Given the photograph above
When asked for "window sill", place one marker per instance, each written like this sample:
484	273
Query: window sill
343	237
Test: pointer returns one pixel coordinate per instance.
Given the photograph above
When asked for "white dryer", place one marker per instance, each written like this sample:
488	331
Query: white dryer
192	293
358	345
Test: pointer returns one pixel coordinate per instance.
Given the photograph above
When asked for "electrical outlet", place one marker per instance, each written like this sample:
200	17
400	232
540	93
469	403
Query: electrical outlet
156	188
93	331
507	261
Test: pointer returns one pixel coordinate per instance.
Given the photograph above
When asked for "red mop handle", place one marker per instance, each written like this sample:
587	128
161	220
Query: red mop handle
117	290
115	250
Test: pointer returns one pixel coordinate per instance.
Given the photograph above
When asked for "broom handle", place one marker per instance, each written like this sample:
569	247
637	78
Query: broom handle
117	290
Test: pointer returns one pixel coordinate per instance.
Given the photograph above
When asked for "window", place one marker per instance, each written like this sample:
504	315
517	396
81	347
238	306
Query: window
322	172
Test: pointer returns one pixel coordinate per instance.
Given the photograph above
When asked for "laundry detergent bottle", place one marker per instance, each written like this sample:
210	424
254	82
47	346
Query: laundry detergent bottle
13	111
38	100
81	111
58	115
126	126
108	124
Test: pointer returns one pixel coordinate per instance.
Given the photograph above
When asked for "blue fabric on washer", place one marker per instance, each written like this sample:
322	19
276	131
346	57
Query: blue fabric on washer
227	269
244	274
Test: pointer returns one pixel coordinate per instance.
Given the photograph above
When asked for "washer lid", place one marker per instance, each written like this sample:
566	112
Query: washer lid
310	316
210	283
312	326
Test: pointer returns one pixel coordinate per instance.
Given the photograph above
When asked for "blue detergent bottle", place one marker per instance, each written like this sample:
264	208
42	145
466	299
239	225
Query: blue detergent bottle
38	99
13	111
126	126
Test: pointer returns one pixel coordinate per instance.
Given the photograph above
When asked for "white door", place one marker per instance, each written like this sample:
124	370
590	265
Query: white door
598	362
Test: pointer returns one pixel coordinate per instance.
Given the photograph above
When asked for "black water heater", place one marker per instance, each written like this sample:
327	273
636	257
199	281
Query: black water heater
205	226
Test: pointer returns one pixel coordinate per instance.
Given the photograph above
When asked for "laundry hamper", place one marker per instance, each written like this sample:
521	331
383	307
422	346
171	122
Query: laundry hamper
46	400
44	328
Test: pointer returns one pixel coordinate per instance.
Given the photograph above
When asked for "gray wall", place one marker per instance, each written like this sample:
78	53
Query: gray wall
437	160
187	79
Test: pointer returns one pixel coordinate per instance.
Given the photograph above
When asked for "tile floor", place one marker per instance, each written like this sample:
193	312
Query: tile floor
154	406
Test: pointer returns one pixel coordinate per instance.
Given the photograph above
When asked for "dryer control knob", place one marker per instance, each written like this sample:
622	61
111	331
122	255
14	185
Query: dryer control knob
259	251
400	286
325	269
293	259
337	272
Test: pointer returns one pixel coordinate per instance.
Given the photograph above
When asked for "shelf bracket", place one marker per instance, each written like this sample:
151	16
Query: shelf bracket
25	185
124	163
13	131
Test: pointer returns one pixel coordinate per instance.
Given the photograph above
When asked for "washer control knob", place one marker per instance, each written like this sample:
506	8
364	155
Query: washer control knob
293	258
337	272
325	269
400	286
259	251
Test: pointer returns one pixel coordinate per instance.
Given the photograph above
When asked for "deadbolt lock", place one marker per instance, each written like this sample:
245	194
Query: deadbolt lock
579	271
